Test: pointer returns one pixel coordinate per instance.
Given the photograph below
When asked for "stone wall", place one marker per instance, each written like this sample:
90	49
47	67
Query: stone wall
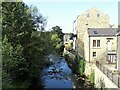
85	21
101	80
89	67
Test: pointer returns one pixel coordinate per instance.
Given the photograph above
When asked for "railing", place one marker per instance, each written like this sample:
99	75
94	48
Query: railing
114	77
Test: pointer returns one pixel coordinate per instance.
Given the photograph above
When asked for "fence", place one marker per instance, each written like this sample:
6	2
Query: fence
114	77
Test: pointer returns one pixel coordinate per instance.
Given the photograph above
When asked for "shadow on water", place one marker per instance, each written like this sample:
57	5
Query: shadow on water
35	85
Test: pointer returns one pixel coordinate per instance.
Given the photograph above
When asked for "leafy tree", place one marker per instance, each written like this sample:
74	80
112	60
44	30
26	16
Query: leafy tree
57	38
23	51
38	20
25	43
58	30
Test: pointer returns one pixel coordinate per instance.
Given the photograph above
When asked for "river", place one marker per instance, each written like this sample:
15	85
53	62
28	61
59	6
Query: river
57	75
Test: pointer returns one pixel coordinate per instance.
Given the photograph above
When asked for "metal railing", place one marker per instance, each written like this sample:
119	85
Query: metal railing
114	77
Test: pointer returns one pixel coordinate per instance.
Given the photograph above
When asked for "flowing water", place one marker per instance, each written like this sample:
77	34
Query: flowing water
57	75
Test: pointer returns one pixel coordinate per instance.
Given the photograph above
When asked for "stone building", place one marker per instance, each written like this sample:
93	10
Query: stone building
92	18
100	44
67	40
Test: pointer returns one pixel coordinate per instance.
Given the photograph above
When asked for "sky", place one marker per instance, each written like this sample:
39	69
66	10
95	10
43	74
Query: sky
63	12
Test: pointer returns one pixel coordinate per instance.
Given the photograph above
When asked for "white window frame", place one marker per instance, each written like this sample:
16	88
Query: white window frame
96	44
93	54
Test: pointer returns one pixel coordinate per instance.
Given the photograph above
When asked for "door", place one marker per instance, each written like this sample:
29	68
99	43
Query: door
108	45
111	58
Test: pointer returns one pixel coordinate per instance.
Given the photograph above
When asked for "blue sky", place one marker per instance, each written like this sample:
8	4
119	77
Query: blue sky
63	13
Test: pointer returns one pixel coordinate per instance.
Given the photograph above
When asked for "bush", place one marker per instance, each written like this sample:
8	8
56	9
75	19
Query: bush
69	60
81	66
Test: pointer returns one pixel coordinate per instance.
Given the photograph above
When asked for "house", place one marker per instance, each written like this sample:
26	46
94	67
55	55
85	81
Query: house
100	44
67	38
92	18
109	73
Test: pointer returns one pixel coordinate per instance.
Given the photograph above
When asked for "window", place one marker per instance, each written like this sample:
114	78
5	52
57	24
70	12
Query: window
98	14
94	54
111	58
88	15
96	43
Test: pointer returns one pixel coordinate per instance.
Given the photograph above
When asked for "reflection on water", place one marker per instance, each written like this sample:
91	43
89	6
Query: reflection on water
58	75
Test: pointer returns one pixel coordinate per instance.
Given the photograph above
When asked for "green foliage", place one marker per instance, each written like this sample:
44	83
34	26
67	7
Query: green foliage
91	77
81	66
57	39
23	49
25	43
14	66
76	63
76	60
69	60
58	31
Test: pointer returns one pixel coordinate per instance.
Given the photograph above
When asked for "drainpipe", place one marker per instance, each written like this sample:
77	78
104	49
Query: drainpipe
89	49
118	51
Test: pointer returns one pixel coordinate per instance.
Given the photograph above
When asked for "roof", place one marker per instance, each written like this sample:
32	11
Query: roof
97	32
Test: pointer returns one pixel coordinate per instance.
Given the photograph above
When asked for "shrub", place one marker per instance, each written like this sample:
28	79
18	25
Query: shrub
81	66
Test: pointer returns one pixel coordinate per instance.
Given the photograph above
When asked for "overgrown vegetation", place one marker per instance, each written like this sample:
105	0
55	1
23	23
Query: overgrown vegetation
91	77
25	43
82	66
76	63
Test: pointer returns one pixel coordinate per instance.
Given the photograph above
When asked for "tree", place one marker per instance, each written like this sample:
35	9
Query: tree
38	20
58	30
23	54
57	38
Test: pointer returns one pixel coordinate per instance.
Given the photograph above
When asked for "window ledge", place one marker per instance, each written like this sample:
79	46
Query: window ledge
96	47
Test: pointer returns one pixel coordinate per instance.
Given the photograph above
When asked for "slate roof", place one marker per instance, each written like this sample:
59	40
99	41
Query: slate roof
102	32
